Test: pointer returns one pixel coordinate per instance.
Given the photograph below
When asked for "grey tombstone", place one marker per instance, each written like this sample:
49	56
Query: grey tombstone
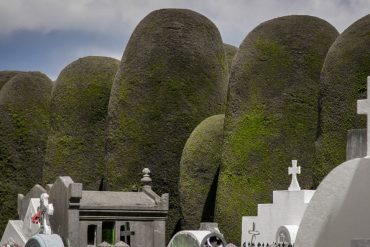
356	144
360	243
23	201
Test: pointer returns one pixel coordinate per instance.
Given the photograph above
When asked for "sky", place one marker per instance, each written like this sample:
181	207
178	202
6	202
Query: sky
47	35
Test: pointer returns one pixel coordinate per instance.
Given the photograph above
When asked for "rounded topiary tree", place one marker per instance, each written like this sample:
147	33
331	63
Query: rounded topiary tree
173	74
76	144
199	168
343	82
24	127
272	114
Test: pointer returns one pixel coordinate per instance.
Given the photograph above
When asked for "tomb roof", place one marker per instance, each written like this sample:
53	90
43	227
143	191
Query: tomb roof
114	199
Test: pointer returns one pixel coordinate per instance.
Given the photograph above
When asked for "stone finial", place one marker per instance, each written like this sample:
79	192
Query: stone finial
294	170
121	244
146	177
363	107
104	244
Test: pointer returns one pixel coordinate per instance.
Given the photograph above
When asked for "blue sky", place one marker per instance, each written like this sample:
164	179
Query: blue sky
46	35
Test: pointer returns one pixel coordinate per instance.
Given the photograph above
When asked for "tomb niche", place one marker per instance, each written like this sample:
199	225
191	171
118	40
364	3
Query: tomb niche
278	222
343	81
173	74
272	113
76	144
24	128
199	168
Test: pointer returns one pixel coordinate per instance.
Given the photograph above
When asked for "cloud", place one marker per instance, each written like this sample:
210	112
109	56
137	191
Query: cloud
235	18
47	35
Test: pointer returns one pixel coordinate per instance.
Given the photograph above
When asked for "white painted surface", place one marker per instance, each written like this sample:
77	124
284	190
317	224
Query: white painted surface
13	232
29	229
287	209
20	231
340	209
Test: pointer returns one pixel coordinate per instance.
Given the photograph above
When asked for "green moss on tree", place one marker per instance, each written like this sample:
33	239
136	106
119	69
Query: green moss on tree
272	114
173	75
76	145
199	167
24	127
230	52
343	82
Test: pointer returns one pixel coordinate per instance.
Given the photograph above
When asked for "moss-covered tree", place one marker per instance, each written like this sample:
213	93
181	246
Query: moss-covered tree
24	127
172	76
343	82
272	114
199	168
76	144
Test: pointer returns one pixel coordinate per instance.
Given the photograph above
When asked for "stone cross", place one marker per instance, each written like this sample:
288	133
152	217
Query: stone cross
294	170
126	233
363	107
253	232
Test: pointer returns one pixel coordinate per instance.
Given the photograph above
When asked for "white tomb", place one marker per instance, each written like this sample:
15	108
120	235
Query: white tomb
278	222
339	212
35	221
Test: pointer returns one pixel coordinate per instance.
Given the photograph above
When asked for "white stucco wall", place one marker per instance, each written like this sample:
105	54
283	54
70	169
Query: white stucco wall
287	209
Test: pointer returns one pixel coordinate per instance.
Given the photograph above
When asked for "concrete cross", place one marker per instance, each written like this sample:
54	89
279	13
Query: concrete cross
253	232
126	233
294	170
363	107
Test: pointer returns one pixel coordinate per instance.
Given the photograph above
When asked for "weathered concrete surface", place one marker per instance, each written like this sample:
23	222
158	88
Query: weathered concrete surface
76	144
272	114
173	74
360	243
356	144
343	82
24	127
199	168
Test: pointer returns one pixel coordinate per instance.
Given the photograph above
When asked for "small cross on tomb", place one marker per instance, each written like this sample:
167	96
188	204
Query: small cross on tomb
363	107
253	232
126	233
294	170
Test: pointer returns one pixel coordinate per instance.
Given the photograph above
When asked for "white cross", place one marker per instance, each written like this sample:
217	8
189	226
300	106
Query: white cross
294	170
363	107
253	232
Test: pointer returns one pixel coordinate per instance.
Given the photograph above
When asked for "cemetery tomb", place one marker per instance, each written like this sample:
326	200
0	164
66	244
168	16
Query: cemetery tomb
278	222
92	218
